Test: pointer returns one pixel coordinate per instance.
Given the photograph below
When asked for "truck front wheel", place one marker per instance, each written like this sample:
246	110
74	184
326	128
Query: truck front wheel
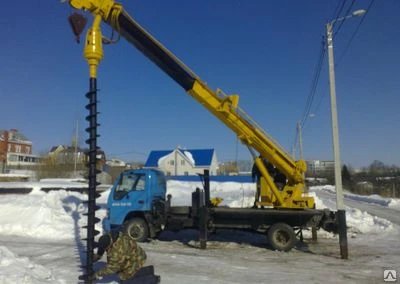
137	229
281	236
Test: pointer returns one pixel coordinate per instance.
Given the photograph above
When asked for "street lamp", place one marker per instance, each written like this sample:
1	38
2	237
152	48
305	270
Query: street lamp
335	135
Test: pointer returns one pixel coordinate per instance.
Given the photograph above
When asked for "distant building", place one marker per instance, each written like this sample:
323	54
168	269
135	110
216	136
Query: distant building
66	154
317	168
15	150
62	154
116	163
183	161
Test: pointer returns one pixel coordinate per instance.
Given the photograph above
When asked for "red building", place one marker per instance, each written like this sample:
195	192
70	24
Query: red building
15	149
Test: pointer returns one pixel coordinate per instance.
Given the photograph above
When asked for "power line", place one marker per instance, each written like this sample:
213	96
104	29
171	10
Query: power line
313	89
342	22
354	33
319	104
338	10
314	83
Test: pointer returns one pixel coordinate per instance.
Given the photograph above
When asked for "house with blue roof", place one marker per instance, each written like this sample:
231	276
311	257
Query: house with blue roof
183	162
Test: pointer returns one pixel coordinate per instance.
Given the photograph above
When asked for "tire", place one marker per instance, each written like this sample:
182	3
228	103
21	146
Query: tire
281	237
137	229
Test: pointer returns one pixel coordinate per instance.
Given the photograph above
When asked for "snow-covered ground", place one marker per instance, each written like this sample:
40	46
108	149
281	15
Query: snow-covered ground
40	241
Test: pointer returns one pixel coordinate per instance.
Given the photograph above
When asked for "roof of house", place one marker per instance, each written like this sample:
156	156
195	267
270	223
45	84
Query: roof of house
201	157
14	135
54	148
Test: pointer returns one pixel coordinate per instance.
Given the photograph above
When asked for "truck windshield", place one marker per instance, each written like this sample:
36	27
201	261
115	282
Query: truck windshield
130	182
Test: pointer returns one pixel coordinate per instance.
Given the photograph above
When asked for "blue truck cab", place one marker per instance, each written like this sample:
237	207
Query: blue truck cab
136	203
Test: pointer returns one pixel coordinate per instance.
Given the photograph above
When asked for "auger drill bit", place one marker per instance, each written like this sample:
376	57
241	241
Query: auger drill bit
93	53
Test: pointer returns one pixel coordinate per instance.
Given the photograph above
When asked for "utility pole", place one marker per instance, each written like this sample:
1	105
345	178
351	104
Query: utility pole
335	135
336	150
300	139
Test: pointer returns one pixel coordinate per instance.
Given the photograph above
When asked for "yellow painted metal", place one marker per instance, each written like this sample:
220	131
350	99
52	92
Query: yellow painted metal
265	190
226	109
96	7
223	107
93	47
215	201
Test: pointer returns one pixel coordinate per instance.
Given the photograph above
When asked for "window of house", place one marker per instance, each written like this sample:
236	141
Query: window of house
172	162
9	148
27	149
186	173
18	148
13	158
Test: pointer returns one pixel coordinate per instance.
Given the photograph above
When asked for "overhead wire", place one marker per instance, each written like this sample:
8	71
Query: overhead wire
339	9
313	89
318	68
354	33
349	42
342	22
314	83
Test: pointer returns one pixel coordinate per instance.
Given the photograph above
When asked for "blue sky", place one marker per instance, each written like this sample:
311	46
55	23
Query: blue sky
265	51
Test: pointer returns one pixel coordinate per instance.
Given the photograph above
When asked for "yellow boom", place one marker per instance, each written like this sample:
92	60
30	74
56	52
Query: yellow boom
224	107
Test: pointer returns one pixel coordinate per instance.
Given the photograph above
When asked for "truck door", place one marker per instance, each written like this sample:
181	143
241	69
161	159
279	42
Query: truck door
130	193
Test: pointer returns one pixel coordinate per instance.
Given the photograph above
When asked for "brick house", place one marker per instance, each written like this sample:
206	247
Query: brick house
15	149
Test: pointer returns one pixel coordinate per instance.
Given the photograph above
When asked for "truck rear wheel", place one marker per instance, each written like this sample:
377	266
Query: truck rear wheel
281	236
137	229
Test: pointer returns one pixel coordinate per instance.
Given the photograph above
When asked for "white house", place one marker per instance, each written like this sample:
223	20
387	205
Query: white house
183	162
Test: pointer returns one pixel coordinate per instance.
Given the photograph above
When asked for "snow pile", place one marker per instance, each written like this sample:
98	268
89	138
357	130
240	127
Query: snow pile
394	204
46	183
80	181
234	194
357	221
16	269
57	215
361	222
40	215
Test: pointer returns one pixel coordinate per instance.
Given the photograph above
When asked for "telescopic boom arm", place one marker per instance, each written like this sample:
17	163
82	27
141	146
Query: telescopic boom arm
224	107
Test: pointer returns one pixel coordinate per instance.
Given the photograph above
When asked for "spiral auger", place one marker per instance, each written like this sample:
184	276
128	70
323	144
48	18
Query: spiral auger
93	53
92	176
